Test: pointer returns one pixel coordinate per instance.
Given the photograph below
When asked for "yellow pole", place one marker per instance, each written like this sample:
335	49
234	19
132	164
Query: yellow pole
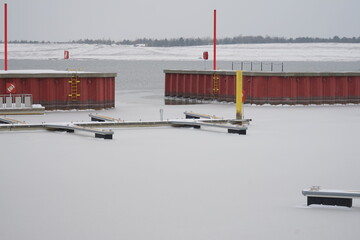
239	95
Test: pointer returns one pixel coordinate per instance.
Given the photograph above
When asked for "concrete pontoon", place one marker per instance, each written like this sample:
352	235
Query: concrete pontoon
316	195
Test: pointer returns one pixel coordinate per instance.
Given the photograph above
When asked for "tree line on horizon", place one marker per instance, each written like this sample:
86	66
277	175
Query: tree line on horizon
176	42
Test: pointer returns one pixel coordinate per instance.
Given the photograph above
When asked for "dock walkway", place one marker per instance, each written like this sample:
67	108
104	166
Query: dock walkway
98	122
99	133
316	195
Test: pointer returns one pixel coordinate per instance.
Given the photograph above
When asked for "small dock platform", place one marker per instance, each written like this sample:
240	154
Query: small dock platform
99	133
214	119
6	120
316	195
193	115
198	124
100	118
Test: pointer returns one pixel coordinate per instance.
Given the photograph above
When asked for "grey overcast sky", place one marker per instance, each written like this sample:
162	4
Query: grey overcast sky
65	20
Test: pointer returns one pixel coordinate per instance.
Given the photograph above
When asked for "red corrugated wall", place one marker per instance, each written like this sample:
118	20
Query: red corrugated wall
53	92
263	88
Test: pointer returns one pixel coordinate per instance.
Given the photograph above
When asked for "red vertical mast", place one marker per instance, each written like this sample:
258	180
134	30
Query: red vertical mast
214	39
5	39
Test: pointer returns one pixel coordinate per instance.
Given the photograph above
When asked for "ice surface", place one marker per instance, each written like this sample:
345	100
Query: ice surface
172	183
238	52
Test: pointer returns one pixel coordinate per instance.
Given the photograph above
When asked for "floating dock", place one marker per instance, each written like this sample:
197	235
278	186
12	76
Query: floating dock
99	121
61	89
264	87
316	195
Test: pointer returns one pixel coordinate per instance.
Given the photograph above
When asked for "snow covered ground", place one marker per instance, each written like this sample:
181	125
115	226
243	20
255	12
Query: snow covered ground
170	183
238	52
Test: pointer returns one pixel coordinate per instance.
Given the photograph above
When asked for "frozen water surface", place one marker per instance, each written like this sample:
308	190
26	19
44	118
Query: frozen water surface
161	183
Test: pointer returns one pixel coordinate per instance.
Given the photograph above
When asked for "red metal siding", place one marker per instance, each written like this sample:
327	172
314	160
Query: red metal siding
193	85
200	88
168	85
354	89
341	94
303	90
221	95
316	91
187	86
261	89
296	88
53	92
176	85
208	87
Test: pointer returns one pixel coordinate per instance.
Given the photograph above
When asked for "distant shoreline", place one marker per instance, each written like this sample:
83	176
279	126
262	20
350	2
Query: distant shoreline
178	42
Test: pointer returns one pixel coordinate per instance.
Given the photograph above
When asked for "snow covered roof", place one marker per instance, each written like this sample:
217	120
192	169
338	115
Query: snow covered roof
38	73
264	73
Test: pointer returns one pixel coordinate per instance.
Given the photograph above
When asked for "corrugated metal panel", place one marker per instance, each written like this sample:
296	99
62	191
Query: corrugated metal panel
201	89
261	88
354	85
53	92
209	86
316	90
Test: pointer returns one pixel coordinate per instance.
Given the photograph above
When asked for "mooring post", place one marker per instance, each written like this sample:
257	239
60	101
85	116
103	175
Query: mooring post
5	38
239	95
161	114
214	39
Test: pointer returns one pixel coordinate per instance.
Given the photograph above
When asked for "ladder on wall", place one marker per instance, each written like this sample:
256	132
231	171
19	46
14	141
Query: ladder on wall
216	84
74	82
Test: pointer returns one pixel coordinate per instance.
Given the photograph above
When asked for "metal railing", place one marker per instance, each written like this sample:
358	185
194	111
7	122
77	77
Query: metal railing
258	66
16	101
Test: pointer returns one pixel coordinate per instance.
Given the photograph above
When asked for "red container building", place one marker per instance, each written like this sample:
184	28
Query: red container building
265	87
62	89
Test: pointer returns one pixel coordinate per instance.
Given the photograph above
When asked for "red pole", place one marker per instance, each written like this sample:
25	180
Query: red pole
5	39
214	39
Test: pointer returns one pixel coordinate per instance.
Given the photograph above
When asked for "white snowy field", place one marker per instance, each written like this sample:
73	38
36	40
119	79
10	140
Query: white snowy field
239	52
172	183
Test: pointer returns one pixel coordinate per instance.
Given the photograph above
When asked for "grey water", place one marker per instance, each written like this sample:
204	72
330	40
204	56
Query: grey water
146	74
